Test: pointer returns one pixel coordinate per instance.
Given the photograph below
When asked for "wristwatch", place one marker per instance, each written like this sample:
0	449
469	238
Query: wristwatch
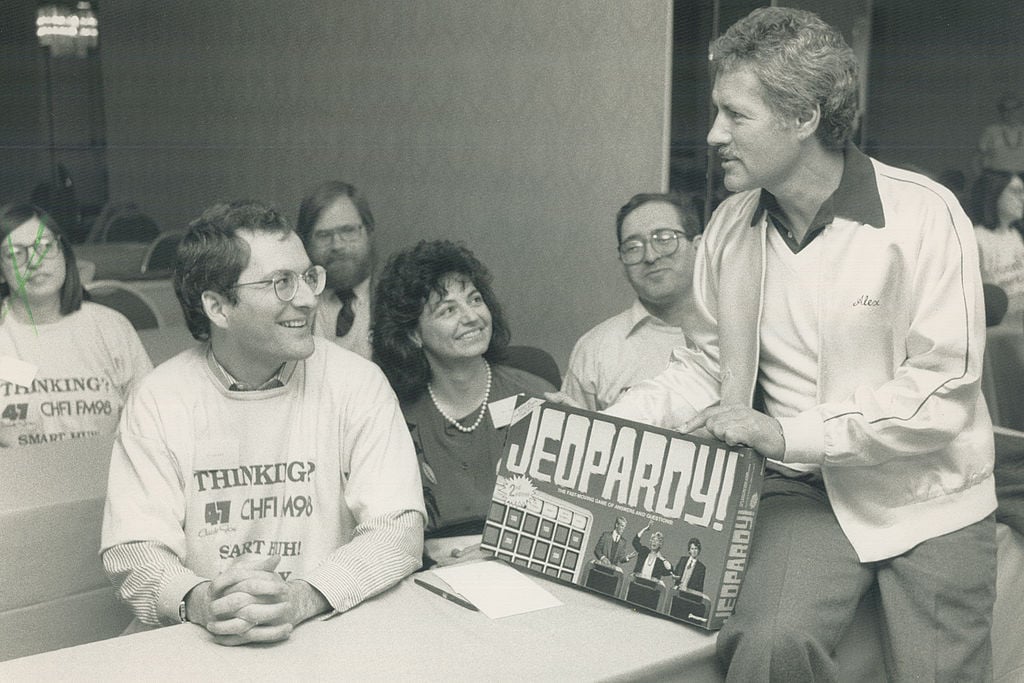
183	606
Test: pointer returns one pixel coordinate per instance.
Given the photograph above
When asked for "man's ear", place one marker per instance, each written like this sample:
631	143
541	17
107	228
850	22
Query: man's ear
808	121
216	306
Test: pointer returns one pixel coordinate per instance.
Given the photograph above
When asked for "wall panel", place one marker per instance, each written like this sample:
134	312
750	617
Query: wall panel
519	128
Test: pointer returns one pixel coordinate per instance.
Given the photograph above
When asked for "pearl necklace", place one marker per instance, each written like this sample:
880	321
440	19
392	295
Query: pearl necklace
483	406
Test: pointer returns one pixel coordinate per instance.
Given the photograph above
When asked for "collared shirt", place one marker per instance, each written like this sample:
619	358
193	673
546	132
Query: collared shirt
856	198
684	579
358	338
616	354
279	379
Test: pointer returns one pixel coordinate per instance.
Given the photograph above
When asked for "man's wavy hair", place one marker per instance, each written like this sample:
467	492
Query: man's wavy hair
321	198
212	256
800	61
404	287
689	217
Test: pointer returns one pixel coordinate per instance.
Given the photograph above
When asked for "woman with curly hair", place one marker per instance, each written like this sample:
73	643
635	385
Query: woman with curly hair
439	335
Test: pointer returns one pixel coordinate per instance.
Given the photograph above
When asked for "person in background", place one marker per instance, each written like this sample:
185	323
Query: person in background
611	546
69	363
690	571
650	563
440	336
1002	144
337	227
657	237
265	476
845	295
998	211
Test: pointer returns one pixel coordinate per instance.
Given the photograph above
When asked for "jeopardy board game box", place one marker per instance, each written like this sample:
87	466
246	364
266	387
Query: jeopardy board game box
657	519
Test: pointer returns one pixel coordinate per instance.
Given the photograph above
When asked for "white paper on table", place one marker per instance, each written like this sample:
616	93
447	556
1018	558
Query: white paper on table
496	589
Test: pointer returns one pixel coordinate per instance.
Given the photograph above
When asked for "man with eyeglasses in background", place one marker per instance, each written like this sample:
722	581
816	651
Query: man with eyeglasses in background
337	227
657	236
264	476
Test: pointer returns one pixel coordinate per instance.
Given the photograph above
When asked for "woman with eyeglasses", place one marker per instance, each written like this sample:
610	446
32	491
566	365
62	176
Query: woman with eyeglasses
998	208
67	363
440	336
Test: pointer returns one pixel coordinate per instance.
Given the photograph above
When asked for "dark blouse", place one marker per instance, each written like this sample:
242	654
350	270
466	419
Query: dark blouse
459	469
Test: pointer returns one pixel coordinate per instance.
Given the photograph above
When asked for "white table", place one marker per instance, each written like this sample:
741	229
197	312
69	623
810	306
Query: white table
408	633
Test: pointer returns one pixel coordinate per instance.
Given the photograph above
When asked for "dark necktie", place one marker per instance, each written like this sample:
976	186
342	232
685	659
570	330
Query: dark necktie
346	315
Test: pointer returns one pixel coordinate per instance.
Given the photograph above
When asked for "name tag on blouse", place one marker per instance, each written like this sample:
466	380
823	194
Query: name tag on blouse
501	411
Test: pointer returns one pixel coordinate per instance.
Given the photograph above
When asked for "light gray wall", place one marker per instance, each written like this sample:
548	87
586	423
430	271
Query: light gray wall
518	127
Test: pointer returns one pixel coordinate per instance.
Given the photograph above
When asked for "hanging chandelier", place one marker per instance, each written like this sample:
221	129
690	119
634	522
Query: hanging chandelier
65	30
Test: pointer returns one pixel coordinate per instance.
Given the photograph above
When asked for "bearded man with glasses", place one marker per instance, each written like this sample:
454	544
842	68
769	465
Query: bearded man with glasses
264	476
657	236
337	227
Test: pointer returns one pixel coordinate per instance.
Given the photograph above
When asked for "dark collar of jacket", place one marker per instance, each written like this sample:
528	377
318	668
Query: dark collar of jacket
856	198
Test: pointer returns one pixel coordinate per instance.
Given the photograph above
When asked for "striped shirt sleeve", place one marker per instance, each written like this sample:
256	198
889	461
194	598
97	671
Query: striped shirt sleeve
150	579
384	550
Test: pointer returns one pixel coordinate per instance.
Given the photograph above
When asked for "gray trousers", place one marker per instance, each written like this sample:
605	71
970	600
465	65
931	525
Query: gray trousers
804	583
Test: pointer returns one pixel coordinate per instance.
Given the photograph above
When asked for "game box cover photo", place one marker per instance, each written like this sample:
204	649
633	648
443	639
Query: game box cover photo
657	519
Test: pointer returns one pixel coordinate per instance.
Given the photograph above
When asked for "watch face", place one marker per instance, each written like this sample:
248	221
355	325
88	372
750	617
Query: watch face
182	615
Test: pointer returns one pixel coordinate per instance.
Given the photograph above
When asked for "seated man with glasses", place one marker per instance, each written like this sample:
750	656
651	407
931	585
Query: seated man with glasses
337	227
657	236
265	476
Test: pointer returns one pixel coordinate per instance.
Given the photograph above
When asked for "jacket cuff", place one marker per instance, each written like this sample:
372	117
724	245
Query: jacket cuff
171	595
805	438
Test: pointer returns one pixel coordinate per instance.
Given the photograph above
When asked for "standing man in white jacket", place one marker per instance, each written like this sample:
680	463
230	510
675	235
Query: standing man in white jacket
842	299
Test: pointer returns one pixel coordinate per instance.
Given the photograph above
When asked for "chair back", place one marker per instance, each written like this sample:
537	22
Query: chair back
536	361
127	301
996	304
86	270
159	258
123	222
